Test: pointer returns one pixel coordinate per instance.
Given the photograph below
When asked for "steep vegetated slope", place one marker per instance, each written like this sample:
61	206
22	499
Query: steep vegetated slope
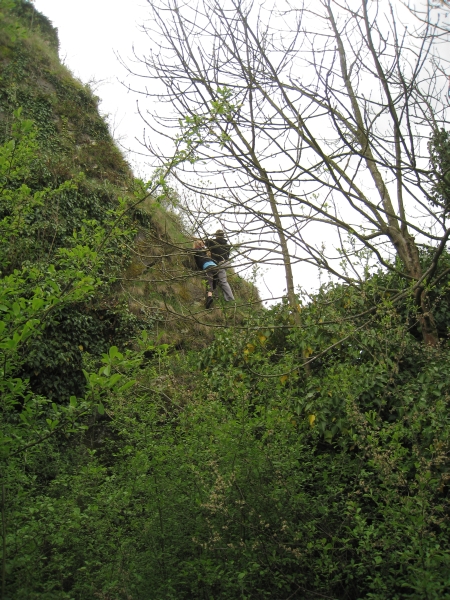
73	145
185	463
69	153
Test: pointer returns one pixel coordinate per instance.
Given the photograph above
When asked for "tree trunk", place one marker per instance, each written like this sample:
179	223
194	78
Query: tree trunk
397	232
409	254
427	322
292	298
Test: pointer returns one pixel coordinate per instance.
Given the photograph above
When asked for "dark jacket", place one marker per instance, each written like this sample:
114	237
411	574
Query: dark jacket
219	248
201	258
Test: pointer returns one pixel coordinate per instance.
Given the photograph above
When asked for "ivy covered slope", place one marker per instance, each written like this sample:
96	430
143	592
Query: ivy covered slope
70	159
71	132
85	177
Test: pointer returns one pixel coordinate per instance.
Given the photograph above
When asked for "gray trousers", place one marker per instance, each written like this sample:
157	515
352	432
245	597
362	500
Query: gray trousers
220	275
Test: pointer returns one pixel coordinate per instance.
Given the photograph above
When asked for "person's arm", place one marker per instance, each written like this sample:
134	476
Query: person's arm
209	247
198	257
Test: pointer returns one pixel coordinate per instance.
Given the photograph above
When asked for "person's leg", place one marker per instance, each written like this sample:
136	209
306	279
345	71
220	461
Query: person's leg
210	280
223	282
215	285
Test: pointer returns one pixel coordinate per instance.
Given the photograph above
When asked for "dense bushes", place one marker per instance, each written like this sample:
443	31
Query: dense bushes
239	474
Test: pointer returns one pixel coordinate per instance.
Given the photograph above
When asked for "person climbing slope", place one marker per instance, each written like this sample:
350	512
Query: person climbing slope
205	263
220	254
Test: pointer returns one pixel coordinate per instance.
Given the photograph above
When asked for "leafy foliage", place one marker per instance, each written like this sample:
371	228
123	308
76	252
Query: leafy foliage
253	478
440	158
40	298
34	235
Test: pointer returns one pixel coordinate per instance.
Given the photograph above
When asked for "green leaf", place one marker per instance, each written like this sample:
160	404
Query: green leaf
126	386
113	351
37	303
115	379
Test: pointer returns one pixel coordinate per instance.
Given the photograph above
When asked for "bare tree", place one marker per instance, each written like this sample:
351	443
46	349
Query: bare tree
435	12
313	125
